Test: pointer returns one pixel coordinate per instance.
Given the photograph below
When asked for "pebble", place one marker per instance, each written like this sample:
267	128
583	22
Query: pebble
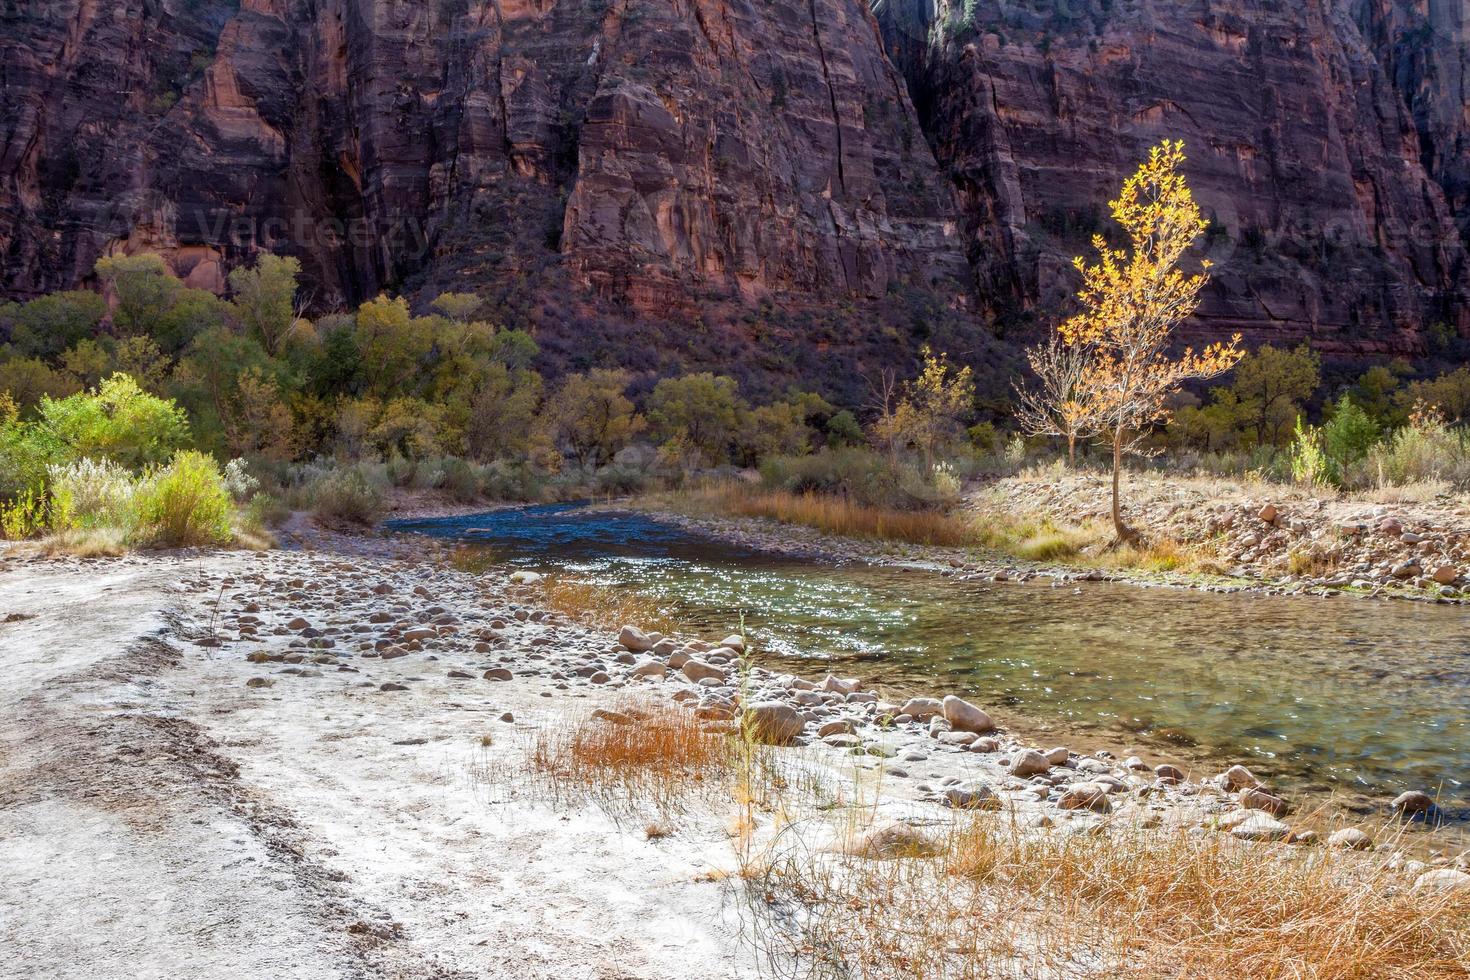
963	716
1350	838
1442	880
1260	826
772	722
1413	802
1029	763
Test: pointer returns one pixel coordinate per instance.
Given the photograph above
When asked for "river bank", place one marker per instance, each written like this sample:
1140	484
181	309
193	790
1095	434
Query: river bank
306	763
1208	534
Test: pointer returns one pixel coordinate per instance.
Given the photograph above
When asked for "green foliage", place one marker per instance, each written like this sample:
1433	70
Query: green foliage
503	416
859	475
1310	464
144	287
24	514
89	493
843	430
116	421
515	349
592	415
1270	387
777	429
186	503
1349	434
347	494
1425	449
45	327
1376	392
1450	393
460	307
699	412
264	299
192	312
29	379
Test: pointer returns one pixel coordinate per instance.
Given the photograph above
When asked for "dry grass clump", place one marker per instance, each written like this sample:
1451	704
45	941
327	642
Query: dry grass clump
92	542
1035	538
839	515
999	900
601	605
635	754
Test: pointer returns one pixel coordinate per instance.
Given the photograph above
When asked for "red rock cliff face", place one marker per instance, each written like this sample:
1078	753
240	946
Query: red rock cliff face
708	161
1326	140
664	150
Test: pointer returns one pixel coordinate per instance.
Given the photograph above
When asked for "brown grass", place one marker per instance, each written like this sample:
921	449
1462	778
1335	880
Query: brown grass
1027	537
646	753
99	542
601	605
998	900
837	515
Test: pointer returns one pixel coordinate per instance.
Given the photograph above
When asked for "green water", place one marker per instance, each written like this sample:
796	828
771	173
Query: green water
1350	697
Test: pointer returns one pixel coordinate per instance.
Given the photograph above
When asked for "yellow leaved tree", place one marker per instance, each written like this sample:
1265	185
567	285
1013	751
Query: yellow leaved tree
1132	298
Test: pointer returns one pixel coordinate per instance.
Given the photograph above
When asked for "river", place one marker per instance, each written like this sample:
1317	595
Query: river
1350	698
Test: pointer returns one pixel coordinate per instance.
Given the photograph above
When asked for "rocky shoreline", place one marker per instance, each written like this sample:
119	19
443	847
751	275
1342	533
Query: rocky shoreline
940	750
972	564
276	757
1270	538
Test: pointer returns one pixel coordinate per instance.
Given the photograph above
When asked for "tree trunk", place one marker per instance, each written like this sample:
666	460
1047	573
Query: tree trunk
1123	531
1071	450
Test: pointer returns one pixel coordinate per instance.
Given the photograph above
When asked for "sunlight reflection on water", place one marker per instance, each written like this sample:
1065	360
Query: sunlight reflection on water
1331	695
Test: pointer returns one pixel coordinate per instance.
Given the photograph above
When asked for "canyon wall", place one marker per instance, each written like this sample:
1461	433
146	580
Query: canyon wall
726	179
1325	140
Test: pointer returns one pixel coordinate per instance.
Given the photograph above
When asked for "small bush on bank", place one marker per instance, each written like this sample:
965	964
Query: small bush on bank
186	503
347	494
91	493
1424	451
860	475
516	482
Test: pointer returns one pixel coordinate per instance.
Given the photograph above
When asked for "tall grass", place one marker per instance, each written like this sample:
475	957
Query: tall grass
186	503
834	515
98	507
606	606
639	752
350	494
988	898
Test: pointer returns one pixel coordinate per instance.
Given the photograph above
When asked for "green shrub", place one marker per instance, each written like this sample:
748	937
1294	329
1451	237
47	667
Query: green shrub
1310	464
1349	434
460	480
26	453
616	480
264	510
116	421
857	474
88	493
518	482
1421	451
347	494
185	503
25	514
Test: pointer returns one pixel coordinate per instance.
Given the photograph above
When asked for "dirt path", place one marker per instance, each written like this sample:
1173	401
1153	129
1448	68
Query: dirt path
161	819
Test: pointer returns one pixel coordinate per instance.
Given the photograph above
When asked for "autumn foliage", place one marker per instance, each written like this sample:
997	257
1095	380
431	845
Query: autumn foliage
1117	369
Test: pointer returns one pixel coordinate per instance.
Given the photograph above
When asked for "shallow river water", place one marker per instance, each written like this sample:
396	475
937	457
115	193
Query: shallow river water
1350	697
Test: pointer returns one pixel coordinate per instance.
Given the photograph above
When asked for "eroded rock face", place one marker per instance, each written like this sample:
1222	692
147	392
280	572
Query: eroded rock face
667	152
697	159
1325	142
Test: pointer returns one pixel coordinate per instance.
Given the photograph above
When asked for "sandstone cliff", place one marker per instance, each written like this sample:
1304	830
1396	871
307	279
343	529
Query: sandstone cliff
1326	141
662	148
796	182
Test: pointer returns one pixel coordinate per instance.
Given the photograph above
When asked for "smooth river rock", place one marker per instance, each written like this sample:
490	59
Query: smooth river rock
966	717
